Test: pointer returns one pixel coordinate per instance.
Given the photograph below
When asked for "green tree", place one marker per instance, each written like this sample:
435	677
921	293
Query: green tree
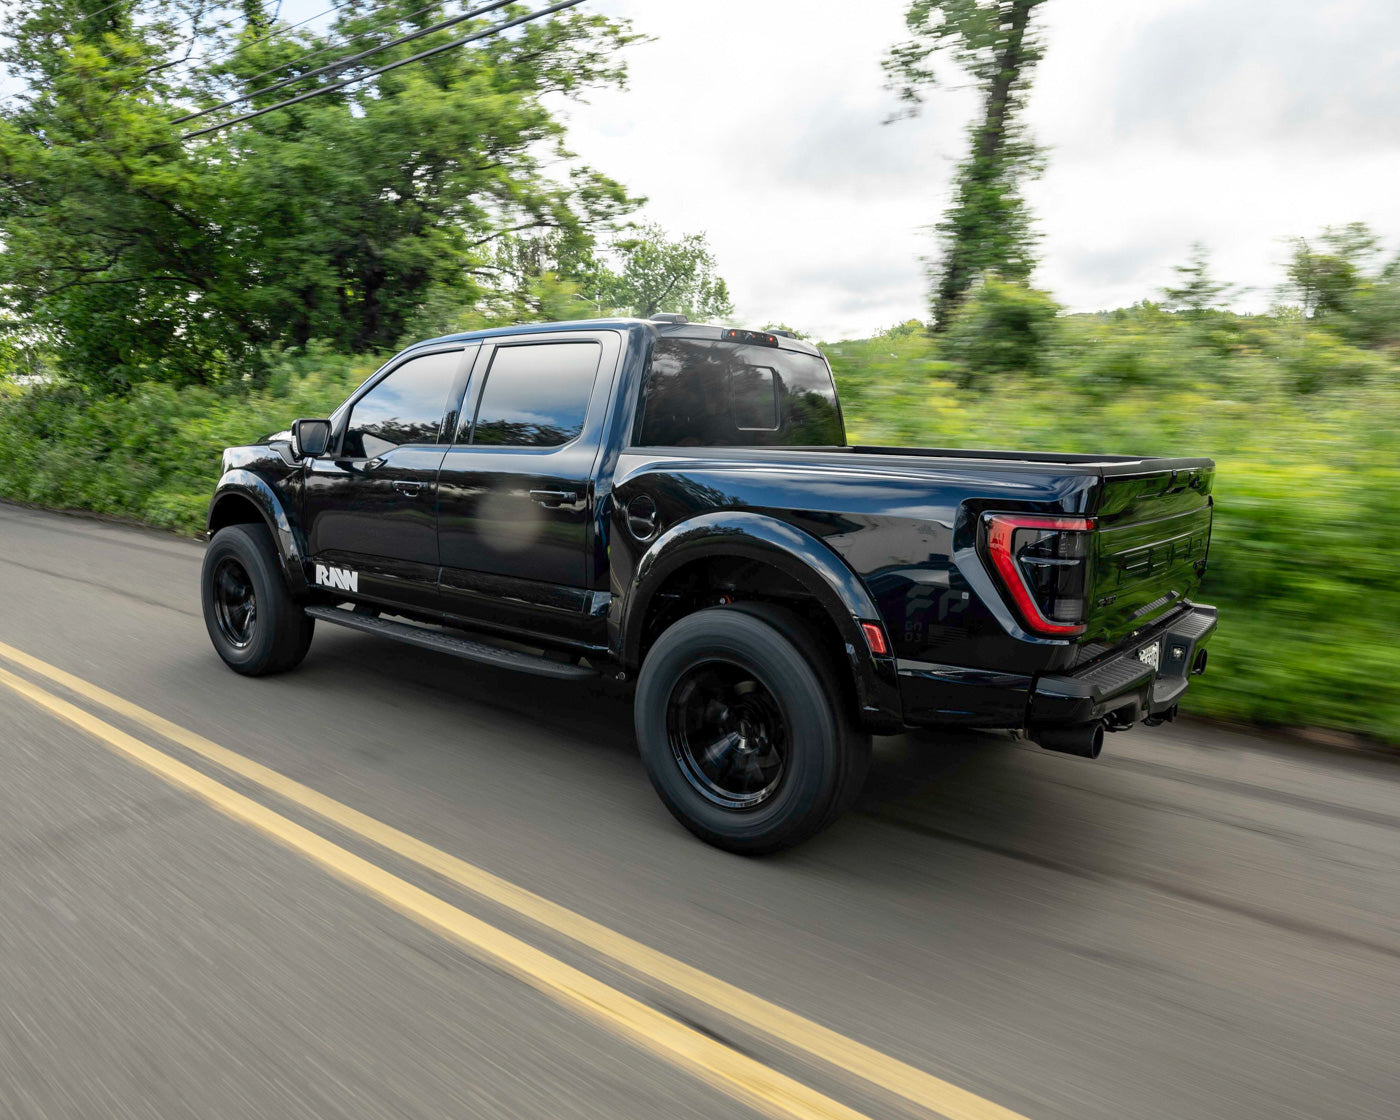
660	273
1197	290
1344	287
531	277
988	225
338	218
1326	280
1375	320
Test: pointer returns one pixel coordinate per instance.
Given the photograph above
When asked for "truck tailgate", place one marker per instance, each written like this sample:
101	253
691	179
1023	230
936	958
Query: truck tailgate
1151	545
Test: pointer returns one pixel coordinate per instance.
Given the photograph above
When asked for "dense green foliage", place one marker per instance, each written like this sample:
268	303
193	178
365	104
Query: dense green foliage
1001	328
138	256
987	226
152	454
550	278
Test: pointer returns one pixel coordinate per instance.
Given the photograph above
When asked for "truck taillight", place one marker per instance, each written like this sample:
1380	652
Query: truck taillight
1044	565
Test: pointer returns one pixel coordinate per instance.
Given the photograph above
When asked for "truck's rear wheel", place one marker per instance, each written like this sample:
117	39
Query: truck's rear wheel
748	740
255	624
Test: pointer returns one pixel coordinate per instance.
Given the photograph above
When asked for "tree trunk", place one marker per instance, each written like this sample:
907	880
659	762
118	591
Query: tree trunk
969	218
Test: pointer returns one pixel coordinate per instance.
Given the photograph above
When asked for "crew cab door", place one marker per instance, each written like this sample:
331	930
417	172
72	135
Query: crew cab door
369	508
516	498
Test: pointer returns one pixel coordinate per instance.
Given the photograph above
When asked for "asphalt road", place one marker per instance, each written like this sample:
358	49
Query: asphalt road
1199	924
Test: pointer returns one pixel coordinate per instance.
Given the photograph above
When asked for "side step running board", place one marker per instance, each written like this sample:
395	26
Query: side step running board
481	652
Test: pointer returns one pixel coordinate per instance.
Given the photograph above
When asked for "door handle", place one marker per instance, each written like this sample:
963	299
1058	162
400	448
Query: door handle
553	498
407	487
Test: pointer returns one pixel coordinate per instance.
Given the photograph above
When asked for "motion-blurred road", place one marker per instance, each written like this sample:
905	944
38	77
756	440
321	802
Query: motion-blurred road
1200	924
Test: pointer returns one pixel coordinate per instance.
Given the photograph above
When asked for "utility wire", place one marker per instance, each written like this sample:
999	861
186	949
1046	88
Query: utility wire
340	63
94	15
195	18
231	51
333	46
529	17
199	15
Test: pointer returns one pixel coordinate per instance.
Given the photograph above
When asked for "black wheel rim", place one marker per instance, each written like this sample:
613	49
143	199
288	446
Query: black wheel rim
235	604
729	734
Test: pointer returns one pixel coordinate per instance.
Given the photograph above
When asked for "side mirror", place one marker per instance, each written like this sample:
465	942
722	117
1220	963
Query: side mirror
310	438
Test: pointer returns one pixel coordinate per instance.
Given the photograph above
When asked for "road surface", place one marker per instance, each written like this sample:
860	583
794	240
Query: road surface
392	884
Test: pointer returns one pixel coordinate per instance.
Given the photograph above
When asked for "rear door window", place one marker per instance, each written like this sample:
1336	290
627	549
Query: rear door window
536	395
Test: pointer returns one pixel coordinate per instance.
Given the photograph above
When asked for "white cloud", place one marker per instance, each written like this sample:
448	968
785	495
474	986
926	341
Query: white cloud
1235	124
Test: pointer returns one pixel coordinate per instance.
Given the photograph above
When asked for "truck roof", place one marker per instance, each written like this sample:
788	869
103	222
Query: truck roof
659	328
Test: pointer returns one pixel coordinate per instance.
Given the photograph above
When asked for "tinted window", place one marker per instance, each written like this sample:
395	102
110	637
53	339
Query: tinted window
406	407
700	393
537	396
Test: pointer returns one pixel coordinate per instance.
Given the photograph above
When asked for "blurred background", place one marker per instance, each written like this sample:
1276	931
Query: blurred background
1168	227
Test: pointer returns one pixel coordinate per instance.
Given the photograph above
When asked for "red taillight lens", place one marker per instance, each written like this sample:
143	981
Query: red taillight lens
1044	565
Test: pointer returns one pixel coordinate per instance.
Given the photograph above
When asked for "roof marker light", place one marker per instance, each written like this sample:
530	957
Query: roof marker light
755	338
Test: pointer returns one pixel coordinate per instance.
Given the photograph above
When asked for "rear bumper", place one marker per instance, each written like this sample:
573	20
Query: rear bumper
1122	683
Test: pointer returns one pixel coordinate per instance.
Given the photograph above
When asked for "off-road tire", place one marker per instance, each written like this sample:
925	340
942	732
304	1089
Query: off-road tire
278	633
827	754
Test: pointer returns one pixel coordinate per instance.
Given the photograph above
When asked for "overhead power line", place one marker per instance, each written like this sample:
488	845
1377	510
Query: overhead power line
342	62
329	46
493	30
94	15
283	30
205	60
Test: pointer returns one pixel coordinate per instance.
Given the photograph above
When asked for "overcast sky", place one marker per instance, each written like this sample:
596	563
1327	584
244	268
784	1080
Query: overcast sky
1232	122
1237	123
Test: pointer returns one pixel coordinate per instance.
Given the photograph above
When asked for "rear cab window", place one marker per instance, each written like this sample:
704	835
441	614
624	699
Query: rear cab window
712	393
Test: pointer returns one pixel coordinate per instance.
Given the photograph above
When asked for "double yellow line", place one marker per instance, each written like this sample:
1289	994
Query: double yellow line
742	1077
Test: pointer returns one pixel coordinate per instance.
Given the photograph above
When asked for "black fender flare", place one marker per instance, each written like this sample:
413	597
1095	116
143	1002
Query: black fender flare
796	553
245	486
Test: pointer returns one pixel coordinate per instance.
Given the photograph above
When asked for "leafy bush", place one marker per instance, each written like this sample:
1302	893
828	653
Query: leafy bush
1002	327
153	454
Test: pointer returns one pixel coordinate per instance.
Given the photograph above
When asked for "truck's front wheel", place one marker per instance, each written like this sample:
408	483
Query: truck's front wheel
255	624
747	738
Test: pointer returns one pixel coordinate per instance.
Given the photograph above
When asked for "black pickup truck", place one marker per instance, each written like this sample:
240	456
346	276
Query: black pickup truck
675	507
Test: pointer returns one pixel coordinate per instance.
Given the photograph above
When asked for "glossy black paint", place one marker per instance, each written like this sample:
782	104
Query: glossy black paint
514	523
370	504
573	545
640	571
261	483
